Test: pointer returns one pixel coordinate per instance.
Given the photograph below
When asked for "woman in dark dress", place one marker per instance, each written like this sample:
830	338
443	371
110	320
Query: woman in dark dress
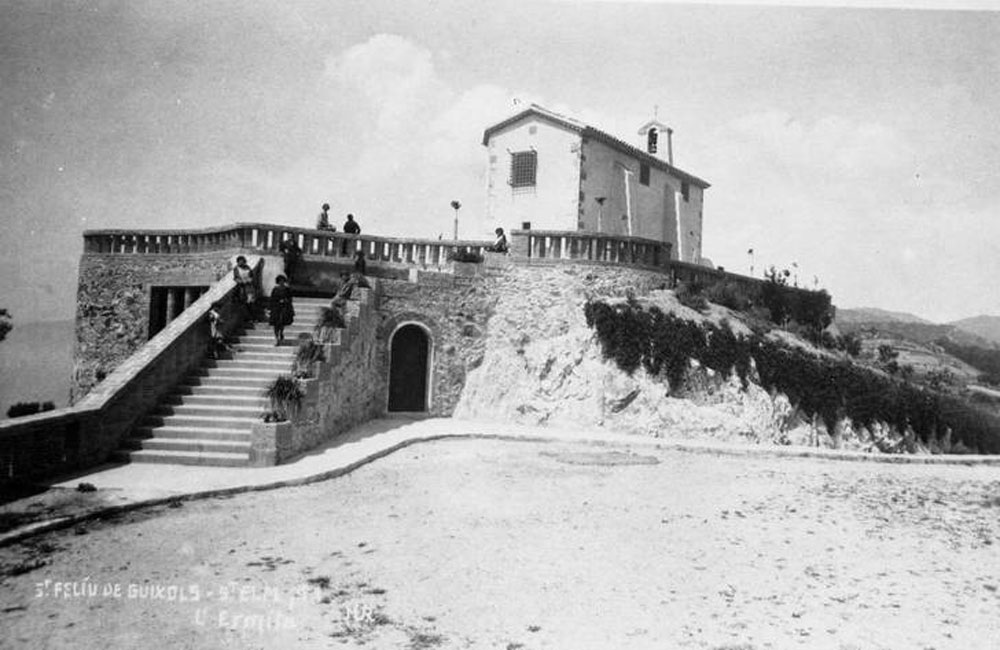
282	312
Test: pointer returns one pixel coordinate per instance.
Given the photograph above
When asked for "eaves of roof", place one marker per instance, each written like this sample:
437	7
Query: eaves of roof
596	134
642	156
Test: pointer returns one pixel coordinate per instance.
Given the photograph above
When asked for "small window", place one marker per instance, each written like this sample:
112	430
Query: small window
644	174
523	165
686	191
652	139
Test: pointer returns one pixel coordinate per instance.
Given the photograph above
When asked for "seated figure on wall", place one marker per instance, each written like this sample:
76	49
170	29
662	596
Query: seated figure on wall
500	245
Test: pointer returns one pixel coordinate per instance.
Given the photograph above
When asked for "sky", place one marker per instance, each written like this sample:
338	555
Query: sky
859	144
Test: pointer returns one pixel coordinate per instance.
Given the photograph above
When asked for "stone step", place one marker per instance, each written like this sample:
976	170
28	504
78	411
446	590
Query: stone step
207	421
264	352
268	338
255	399
207	458
277	364
265	345
221	381
190	445
218	392
249	372
198	433
229	410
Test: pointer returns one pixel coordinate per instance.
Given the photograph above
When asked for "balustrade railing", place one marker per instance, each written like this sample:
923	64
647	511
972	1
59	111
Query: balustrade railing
595	247
268	237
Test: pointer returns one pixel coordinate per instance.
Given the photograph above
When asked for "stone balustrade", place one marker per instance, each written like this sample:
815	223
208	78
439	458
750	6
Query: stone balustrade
588	246
266	238
532	245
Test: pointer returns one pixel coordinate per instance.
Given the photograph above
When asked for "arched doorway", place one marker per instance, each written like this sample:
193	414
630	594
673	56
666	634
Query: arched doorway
408	368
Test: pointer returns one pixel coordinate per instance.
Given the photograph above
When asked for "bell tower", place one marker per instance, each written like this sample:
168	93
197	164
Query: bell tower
653	131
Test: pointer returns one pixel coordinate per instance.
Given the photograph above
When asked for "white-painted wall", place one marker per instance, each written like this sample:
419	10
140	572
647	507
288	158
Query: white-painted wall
654	208
553	203
572	173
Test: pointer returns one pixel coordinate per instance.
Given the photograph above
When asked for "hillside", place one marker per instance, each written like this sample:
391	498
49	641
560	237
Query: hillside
876	315
925	346
542	364
985	327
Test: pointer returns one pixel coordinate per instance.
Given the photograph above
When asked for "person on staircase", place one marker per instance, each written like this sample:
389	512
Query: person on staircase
282	310
246	287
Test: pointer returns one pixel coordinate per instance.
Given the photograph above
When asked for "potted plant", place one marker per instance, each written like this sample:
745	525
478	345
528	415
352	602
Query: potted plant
466	262
285	394
330	319
308	352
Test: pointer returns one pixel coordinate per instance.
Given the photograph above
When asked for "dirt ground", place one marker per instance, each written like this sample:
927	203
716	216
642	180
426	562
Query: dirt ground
513	545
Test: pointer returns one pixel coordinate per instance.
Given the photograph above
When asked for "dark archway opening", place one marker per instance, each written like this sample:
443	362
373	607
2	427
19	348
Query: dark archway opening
408	369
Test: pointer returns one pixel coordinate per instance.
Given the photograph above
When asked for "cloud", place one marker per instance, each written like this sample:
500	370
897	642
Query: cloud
421	136
831	144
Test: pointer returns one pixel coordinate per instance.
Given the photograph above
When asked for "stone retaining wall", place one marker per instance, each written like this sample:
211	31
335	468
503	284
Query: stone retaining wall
113	300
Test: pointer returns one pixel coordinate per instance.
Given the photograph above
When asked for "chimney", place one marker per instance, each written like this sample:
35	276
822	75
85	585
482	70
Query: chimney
670	146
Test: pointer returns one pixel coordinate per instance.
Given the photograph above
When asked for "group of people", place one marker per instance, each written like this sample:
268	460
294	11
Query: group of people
282	310
351	226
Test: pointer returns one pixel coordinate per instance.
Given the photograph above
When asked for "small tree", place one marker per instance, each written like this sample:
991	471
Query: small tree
887	358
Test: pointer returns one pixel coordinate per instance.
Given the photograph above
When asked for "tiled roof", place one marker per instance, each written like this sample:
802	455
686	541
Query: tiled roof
595	134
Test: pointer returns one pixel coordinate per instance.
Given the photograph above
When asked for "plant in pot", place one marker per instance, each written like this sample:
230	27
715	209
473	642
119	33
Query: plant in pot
330	319
285	394
465	256
308	352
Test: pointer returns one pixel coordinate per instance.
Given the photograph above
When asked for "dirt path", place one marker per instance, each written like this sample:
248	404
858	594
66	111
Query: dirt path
481	544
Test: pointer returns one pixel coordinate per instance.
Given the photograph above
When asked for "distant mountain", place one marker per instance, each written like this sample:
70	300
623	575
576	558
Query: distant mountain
876	315
987	327
907	327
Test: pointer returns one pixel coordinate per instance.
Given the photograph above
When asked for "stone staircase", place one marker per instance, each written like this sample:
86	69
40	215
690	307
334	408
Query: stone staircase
207	419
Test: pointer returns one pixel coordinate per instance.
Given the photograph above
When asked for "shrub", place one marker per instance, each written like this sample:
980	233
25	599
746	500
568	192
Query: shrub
734	295
826	388
690	295
465	256
850	344
29	408
810	308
